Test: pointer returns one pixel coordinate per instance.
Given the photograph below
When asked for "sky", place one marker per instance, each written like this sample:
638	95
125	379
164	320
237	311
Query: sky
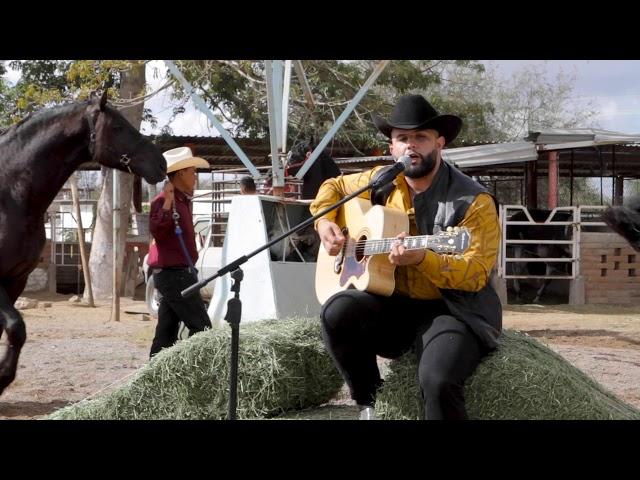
612	85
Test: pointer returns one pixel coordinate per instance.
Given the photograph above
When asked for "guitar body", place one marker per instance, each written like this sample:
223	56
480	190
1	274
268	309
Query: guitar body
368	273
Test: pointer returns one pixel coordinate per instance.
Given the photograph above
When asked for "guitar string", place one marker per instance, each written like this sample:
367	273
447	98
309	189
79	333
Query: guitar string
370	244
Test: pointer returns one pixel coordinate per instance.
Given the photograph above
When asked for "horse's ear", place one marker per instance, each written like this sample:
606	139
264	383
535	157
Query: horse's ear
103	100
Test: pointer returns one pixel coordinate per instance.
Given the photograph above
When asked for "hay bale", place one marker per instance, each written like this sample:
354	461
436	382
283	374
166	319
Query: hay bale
521	380
283	366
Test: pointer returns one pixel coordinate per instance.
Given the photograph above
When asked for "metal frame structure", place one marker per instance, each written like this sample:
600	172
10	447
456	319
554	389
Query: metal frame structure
574	260
278	75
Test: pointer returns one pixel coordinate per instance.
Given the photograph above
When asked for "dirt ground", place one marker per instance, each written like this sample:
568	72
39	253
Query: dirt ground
74	352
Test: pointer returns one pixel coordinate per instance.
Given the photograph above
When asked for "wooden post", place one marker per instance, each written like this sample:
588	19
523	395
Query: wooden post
552	193
618	183
73	181
115	304
52	278
531	174
619	190
571	180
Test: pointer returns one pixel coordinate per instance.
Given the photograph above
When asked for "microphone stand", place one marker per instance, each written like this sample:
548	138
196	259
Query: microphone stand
234	305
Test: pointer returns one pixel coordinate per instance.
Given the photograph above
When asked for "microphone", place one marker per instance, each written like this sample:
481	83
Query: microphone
388	175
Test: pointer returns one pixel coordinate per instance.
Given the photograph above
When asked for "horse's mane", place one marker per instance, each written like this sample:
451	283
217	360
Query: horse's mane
38	119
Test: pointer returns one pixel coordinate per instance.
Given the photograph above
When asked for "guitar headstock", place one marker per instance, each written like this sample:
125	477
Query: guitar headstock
451	240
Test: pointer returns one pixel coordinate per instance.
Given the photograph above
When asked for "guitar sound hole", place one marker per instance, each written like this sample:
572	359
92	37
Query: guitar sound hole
359	250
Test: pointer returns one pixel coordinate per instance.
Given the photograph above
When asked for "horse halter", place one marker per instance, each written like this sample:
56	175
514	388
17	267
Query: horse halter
124	158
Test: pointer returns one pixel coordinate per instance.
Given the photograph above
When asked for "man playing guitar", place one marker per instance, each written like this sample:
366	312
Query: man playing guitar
442	306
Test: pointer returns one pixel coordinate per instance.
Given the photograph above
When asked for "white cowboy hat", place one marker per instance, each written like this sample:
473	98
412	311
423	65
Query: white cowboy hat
182	157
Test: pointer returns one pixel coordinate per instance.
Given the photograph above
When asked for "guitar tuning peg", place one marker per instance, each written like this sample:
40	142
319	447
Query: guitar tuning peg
449	229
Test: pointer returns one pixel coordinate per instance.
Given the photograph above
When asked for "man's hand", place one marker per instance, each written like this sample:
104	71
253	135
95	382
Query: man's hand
168	196
401	256
331	236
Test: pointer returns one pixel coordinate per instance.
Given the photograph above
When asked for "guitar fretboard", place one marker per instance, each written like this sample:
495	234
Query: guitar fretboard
383	245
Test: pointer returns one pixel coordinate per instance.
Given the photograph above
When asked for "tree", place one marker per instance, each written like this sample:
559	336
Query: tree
503	110
531	100
466	92
6	98
236	93
101	259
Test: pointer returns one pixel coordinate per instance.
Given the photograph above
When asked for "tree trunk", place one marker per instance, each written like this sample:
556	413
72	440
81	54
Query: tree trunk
100	261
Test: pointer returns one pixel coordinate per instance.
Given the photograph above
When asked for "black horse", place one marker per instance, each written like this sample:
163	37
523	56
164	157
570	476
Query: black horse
37	156
540	250
323	168
625	221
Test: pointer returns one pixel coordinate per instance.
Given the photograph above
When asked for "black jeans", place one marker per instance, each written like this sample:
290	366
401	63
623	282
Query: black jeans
357	326
174	308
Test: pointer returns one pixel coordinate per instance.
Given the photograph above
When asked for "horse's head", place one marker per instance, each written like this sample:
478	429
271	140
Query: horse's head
115	143
299	154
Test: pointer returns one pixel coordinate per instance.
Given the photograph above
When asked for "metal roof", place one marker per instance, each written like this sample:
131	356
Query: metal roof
558	139
465	157
581	153
494	154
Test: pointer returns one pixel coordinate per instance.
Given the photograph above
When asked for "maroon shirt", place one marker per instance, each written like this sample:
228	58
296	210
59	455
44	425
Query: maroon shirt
165	250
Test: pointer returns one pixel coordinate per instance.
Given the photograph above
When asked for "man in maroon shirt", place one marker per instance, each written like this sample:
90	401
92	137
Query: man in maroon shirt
172	270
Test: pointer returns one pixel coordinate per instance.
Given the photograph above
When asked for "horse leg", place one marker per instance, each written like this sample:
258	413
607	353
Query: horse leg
516	289
518	269
16	336
550	268
541	290
547	271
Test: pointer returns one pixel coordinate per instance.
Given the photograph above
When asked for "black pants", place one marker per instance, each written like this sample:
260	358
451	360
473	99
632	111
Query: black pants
357	326
174	308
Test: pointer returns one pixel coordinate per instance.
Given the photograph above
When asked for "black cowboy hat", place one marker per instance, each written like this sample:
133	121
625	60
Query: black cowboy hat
414	112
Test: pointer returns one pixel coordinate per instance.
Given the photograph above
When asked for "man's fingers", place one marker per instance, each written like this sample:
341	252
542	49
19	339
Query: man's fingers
337	233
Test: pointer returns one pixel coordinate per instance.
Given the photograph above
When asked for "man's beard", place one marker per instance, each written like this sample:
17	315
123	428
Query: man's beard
424	167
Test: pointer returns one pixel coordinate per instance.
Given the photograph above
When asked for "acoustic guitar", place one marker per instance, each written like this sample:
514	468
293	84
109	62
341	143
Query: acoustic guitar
369	232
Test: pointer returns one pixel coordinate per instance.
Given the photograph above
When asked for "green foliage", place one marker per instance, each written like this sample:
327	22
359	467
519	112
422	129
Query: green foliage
52	82
236	92
493	108
6	98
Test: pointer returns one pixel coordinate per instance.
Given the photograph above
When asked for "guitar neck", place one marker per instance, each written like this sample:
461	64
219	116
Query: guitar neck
383	245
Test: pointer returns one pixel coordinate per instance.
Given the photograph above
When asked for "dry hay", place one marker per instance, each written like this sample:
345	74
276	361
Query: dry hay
283	366
520	380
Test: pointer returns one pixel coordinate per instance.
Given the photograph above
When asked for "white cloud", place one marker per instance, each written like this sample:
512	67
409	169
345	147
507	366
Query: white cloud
608	109
12	76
